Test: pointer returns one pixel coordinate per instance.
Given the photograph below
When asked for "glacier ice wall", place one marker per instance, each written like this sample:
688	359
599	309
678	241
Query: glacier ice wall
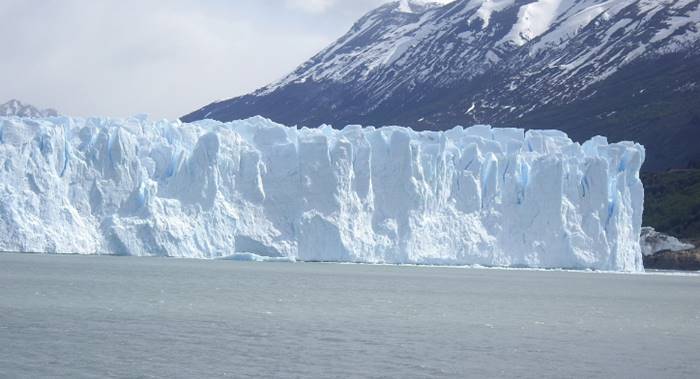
497	197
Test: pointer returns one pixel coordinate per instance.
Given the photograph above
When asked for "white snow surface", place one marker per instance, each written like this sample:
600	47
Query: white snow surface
407	6
253	188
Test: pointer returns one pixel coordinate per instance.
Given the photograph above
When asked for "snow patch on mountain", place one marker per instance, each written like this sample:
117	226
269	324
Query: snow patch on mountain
485	8
419	6
533	20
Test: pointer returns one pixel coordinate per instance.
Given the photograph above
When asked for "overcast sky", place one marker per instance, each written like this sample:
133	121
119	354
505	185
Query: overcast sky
165	58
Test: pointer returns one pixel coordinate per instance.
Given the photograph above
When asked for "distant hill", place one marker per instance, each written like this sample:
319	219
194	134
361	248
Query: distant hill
627	69
19	109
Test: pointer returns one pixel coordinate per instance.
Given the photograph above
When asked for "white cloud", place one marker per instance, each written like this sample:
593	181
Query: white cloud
311	6
122	57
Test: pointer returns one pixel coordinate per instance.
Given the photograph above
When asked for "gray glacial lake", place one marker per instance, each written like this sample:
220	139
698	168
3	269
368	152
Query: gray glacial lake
74	316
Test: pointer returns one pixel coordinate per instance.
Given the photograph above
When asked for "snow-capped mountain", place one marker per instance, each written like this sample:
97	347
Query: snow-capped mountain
19	109
629	69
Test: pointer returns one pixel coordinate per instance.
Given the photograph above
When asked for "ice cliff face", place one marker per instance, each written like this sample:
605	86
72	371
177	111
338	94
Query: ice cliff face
465	196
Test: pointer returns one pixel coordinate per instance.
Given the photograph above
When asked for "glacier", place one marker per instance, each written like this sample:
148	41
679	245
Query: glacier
254	188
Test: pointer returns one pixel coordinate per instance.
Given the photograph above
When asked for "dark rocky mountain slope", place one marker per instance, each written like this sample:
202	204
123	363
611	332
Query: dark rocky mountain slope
627	69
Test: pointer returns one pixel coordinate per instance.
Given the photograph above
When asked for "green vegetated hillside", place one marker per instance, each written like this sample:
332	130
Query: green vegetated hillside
672	202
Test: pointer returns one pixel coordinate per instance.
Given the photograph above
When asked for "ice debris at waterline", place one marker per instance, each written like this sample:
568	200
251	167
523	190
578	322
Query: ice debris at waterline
496	197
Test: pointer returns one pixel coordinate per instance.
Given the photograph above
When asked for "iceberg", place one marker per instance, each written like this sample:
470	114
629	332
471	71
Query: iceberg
653	242
254	188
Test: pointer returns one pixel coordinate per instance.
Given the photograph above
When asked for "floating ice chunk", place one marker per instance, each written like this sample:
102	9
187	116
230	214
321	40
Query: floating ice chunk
653	242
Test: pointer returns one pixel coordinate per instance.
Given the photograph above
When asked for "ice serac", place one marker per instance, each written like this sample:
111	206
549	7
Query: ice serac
496	197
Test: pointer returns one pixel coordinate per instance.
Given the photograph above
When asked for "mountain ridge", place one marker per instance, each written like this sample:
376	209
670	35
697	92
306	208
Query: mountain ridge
504	63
